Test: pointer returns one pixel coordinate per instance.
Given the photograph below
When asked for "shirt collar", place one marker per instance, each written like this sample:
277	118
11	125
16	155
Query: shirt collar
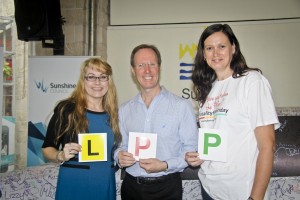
163	92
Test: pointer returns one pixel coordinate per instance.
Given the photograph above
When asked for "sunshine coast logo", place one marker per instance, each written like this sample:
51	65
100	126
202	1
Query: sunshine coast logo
187	54
186	59
185	71
54	87
40	85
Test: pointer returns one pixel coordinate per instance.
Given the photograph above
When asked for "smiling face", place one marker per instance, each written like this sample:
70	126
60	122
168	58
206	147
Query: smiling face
146	69
95	89
218	53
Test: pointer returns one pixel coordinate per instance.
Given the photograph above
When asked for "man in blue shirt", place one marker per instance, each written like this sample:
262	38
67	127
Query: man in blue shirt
156	111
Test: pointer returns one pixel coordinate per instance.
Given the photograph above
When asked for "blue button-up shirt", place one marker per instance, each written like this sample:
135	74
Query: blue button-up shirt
172	118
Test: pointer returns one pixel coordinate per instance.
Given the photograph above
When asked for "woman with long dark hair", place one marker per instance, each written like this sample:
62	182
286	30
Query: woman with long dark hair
235	99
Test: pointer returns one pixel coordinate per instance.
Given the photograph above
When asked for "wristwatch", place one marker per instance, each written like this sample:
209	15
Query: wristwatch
167	167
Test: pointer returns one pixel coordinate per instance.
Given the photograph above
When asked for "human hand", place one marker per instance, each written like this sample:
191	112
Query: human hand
70	150
152	165
125	159
192	158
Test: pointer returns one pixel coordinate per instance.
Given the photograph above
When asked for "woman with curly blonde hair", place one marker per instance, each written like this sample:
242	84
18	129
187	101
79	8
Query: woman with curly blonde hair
91	108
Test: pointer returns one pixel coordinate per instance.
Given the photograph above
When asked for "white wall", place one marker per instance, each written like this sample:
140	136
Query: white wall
126	12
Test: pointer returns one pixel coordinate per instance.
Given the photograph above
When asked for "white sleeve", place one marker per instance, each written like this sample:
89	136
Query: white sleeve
261	106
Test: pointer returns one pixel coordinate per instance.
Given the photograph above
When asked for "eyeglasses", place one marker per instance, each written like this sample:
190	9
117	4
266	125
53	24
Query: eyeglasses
143	65
93	78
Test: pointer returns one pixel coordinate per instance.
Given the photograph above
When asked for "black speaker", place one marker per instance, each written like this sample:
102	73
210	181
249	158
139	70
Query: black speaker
38	19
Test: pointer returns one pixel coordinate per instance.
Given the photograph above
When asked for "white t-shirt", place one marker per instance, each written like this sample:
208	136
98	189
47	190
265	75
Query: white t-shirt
237	106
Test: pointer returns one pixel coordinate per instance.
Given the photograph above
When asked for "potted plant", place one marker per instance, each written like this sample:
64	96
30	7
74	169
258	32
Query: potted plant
7	70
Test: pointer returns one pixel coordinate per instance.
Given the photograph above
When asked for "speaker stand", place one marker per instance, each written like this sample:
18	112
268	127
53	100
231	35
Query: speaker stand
57	45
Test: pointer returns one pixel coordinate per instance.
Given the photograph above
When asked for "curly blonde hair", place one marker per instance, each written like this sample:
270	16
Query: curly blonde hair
77	122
